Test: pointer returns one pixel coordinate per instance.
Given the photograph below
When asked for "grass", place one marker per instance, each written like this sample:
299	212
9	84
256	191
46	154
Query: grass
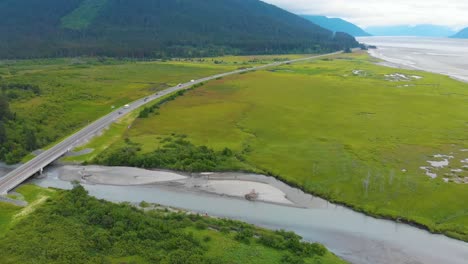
76	91
110	136
356	139
11	214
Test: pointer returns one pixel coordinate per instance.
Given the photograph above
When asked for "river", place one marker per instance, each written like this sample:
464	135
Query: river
351	235
439	55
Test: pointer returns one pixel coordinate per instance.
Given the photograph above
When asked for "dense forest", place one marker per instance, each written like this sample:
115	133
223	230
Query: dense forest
17	137
157	28
72	227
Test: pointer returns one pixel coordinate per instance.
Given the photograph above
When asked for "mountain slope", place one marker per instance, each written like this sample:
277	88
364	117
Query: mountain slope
406	30
462	34
156	28
337	25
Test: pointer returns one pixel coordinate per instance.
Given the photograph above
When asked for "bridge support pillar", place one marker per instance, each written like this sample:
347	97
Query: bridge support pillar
41	171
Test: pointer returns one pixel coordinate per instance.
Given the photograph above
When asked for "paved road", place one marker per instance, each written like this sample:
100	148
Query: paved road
25	171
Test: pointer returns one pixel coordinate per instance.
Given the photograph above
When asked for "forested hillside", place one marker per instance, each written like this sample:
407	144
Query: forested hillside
156	28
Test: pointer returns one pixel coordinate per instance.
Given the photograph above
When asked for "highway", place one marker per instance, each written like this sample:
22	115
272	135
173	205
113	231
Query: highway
25	171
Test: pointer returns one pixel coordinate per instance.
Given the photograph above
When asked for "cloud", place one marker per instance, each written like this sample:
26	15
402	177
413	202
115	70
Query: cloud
452	13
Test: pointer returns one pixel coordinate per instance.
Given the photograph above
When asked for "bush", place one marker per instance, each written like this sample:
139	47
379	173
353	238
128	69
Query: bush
176	154
244	235
144	204
291	259
224	230
200	225
316	249
273	241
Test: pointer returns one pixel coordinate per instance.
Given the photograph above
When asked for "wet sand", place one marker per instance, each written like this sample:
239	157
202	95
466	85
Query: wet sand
437	55
224	184
120	176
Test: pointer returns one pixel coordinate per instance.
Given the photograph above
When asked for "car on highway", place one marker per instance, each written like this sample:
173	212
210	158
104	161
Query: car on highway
126	106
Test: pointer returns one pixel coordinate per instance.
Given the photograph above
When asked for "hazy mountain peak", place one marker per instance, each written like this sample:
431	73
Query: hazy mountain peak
462	34
423	30
337	25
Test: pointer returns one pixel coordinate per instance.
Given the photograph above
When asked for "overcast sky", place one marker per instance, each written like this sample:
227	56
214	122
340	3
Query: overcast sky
453	13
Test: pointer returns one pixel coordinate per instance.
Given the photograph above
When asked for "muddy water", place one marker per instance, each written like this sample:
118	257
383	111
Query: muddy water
351	235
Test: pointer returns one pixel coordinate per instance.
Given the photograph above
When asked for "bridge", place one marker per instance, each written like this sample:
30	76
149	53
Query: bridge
37	164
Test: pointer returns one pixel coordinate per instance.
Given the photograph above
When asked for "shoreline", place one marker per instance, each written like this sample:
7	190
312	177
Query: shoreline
226	184
288	188
392	63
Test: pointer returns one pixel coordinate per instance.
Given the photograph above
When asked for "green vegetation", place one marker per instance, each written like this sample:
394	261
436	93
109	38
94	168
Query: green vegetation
84	15
11	214
339	128
42	101
72	227
174	153
157	29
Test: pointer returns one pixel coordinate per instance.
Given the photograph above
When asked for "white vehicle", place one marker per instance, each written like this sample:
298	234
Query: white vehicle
126	106
192	81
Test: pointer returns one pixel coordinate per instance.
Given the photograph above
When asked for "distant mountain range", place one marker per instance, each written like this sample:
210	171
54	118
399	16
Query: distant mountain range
337	25
462	34
157	28
407	30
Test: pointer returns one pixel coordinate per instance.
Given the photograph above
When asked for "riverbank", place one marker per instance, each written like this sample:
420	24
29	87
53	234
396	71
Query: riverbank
353	236
235	185
89	230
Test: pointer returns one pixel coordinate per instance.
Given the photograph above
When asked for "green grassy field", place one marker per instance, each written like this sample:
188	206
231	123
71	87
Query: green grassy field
76	91
357	138
11	214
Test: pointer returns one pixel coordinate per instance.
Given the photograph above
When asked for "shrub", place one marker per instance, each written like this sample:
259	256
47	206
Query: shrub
291	259
201	225
244	235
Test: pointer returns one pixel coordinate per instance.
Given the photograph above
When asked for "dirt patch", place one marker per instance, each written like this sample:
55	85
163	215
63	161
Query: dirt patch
31	207
399	77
